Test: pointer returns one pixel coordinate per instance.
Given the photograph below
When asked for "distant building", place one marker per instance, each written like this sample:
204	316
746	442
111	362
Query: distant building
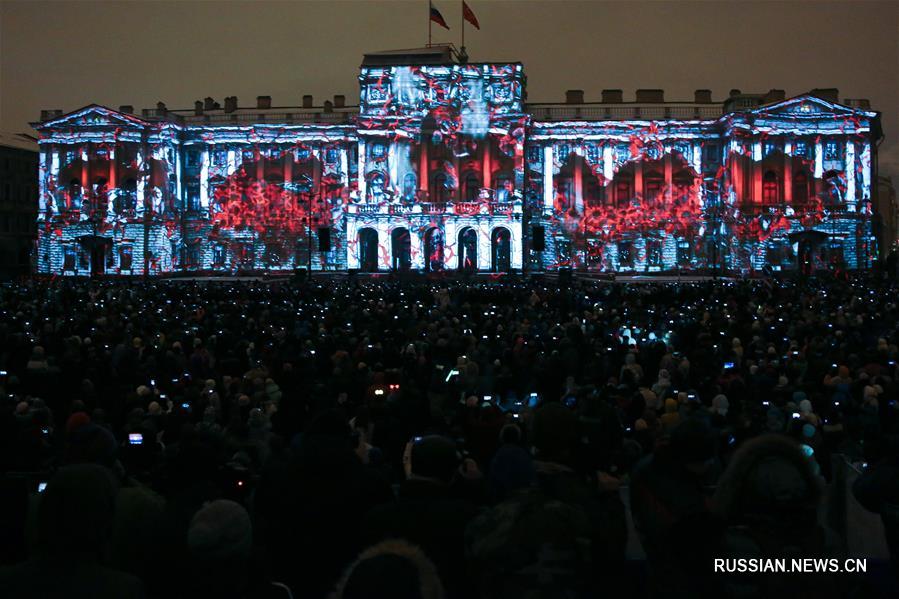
443	166
18	203
886	211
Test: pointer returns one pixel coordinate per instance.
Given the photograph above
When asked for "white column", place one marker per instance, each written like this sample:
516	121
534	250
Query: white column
516	242
697	167
485	256
344	167
363	196
392	166
204	179
232	163
819	160
385	253
142	184
850	172
450	245
757	151
548	178
178	196
111	188
866	170
608	163
417	249
352	243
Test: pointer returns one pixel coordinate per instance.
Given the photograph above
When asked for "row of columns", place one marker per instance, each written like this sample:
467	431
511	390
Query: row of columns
451	243
694	160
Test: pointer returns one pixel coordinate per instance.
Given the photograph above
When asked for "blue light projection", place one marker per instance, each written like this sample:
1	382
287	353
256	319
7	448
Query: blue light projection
444	168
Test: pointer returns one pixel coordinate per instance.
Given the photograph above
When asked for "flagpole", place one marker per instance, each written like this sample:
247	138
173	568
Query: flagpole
429	23
462	6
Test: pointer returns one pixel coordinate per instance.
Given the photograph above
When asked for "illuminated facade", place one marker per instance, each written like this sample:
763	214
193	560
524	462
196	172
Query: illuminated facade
442	166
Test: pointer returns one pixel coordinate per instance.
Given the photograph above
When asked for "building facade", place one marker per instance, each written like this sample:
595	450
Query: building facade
444	166
18	203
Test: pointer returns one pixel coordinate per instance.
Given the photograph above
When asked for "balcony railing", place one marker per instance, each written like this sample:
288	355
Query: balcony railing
621	112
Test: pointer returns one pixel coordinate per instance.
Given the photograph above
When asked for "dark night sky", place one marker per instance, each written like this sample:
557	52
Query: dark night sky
68	54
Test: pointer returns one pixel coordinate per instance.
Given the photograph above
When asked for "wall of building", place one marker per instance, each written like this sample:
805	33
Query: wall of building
443	168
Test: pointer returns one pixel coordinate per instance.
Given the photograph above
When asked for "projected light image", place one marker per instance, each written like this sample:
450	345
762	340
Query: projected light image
443	167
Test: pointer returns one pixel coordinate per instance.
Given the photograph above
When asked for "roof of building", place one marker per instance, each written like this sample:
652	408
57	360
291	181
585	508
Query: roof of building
19	141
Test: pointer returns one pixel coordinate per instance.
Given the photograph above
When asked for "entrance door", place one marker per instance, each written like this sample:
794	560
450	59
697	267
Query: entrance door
368	250
501	249
468	249
401	249
98	259
433	250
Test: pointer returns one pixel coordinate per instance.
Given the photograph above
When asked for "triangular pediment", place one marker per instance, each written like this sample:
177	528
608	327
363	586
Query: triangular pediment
94	116
805	105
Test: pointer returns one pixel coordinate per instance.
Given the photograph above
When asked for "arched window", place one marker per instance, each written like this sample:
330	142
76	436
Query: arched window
594	192
624	188
683	183
376	183
800	188
769	188
835	187
73	201
409	186
502	182
441	187
472	187
652	186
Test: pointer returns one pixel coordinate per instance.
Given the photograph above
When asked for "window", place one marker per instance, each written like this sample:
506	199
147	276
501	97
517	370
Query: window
376	184
684	253
710	153
625	254
768	148
800	188
833	151
800	149
68	261
564	152
409	186
652	186
769	188
218	255
126	257
331	155
193	158
624	188
653	252
683	183
378	150
835	187
472	187
84	259
534	153
502	183
441	187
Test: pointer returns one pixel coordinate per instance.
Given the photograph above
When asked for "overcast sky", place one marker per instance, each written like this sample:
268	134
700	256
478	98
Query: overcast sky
69	54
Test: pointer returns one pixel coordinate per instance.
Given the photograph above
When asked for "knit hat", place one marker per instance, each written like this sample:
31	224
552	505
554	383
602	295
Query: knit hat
555	429
512	468
220	531
434	457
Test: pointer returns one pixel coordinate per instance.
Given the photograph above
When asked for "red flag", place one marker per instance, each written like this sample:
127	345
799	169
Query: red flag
437	17
468	15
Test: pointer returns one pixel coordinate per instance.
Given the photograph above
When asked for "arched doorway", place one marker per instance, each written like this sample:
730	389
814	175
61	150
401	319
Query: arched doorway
468	249
501	250
368	250
401	248
434	250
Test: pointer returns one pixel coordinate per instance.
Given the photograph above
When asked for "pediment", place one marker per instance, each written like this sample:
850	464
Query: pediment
94	116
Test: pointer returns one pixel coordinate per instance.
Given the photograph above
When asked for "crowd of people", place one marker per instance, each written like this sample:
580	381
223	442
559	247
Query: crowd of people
435	438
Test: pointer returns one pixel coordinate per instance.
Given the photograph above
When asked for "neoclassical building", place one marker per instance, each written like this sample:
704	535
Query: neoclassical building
443	165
